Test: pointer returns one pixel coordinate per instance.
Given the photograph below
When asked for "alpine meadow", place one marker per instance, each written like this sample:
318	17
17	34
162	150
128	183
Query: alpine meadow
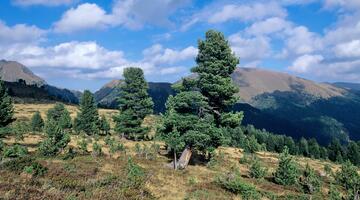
179	100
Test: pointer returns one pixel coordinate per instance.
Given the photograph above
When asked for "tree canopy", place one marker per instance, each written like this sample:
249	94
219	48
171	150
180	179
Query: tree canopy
87	119
6	106
134	104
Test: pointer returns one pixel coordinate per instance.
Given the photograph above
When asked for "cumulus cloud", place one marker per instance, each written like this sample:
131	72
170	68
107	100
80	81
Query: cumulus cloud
89	60
343	4
302	41
304	63
268	26
242	12
348	49
133	14
20	33
85	16
43	2
158	55
250	48
250	12
74	54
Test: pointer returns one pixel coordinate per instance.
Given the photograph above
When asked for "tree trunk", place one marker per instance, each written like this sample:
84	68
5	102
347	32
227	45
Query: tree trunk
175	163
183	161
184	158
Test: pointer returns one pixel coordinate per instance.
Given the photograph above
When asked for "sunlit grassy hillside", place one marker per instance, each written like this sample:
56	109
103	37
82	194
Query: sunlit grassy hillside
102	177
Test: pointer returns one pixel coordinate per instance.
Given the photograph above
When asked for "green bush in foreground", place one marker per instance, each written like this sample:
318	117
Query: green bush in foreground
135	175
35	169
349	178
97	149
56	139
234	183
287	173
37	123
310	181
256	170
15	151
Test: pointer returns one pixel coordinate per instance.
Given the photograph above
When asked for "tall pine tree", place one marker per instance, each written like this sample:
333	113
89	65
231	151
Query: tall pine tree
197	114
88	117
6	107
215	64
134	104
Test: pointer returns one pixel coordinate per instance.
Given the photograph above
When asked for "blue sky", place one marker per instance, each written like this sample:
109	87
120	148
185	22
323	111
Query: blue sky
81	44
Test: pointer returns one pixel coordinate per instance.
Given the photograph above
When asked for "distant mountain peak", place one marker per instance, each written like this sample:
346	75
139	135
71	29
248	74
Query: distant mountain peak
256	81
12	71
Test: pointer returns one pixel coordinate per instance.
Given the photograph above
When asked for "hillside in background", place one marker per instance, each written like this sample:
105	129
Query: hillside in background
275	101
25	86
159	92
348	86
12	71
278	102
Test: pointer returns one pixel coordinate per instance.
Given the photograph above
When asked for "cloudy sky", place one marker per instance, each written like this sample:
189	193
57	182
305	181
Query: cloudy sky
82	44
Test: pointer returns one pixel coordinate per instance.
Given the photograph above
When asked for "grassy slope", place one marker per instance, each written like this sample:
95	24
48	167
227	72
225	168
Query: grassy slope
77	177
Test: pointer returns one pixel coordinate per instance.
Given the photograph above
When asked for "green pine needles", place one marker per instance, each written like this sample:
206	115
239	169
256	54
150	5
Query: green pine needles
6	106
288	171
134	104
87	119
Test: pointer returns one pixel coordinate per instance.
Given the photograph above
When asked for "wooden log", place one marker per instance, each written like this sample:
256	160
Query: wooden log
183	161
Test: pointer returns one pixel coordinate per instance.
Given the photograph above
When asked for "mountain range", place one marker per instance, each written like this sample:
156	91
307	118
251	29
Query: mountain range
275	101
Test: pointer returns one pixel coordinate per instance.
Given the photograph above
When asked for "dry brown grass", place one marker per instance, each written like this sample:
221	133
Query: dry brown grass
165	183
25	111
195	182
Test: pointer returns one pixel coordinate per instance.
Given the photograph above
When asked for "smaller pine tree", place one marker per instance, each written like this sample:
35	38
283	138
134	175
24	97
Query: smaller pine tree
56	139
288	172
134	104
104	125
60	115
88	117
251	145
310	180
6	106
256	170
37	122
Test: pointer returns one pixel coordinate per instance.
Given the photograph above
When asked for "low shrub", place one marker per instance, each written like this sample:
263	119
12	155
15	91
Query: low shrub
287	172
18	164
233	182
310	181
257	171
135	174
216	159
147	152
35	169
97	149
15	151
82	145
334	193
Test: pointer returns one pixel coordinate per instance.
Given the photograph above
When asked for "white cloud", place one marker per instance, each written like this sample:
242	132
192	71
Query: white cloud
348	49
89	60
305	63
43	2
133	14
243	12
20	33
268	26
87	55
157	55
250	48
85	16
301	41
343	4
